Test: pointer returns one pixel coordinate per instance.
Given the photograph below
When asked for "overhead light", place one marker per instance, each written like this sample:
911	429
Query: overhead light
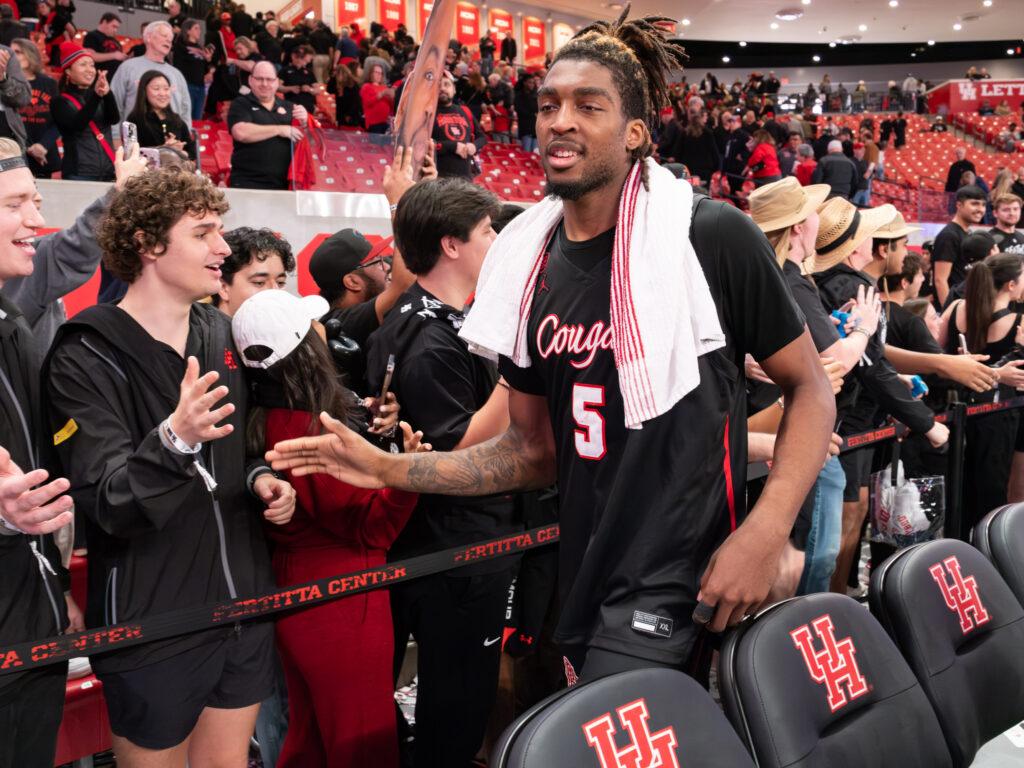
863	27
1009	51
894	3
806	2
743	43
774	25
816	57
931	42
685	22
725	59
987	3
832	44
958	26
913	55
789	14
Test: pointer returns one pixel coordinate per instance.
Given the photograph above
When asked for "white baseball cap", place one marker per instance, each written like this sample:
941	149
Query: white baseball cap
271	324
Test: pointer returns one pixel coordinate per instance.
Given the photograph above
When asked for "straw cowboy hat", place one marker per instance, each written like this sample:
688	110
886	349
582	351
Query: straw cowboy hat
842	228
895	229
783	203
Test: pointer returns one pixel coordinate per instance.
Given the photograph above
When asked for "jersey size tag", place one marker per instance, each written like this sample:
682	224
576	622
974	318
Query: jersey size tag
65	432
651	624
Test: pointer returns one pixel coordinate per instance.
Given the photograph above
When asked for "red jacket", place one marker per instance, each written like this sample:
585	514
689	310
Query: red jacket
375	110
329	512
764	153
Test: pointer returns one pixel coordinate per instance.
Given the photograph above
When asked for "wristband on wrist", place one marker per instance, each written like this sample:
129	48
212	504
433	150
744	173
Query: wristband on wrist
865	331
174	443
7	528
393	208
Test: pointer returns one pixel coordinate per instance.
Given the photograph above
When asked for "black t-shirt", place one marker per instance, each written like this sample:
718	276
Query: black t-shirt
261	164
908	331
453	125
643	510
39	125
823	330
292	75
97	41
947	248
357	321
440	385
1008	242
190	61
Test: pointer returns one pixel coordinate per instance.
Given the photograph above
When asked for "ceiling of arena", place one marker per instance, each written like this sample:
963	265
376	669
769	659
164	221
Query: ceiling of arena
868	21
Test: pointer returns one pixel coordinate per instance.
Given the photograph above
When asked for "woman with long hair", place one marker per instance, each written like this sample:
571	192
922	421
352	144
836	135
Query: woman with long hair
158	125
763	164
337	657
1001	185
989	319
83	111
378	98
348	103
41	143
473	91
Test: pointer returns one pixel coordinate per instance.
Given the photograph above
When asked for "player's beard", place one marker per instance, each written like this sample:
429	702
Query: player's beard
596	176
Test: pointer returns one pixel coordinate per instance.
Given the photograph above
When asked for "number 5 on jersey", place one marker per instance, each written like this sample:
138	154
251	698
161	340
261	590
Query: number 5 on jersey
590	442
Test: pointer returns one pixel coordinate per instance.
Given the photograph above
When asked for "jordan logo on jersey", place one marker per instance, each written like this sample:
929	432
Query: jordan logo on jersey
553	338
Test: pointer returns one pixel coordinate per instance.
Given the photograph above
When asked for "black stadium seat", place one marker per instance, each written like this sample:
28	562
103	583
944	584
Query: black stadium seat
1000	535
642	719
815	682
962	631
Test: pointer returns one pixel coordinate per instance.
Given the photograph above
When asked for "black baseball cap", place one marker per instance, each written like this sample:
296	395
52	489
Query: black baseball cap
342	253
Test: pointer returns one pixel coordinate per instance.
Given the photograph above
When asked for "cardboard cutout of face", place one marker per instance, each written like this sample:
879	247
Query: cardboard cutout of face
414	119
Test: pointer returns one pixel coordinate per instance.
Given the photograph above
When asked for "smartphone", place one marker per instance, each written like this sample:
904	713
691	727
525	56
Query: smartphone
963	345
153	154
389	372
129	137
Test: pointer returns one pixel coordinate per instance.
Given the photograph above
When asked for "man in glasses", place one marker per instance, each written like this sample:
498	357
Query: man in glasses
263	127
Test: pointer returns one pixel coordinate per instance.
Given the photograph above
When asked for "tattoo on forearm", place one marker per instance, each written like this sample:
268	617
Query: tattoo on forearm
498	465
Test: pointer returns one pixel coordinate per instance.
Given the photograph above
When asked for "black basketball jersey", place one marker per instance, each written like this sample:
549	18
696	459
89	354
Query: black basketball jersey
643	510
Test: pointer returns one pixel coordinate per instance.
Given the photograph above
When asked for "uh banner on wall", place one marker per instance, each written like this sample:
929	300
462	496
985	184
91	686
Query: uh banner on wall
351	10
499	23
467	24
391	13
534	40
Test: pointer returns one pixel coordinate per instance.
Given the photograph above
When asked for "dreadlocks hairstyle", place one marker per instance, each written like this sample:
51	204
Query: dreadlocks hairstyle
638	53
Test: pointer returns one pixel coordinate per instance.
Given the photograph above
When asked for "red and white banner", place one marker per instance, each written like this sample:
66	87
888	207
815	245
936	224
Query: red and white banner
561	33
499	23
391	13
467	24
968	95
423	9
535	43
351	10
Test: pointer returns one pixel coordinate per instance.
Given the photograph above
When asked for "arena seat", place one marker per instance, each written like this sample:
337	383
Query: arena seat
961	630
1000	536
816	682
645	717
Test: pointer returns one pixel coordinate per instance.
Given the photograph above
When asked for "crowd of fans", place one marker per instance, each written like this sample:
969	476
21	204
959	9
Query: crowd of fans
155	412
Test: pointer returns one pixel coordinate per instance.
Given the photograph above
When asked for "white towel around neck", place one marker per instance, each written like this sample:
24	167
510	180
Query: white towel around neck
662	314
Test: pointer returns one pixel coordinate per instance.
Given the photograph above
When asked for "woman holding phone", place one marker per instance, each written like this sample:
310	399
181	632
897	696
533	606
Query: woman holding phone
158	125
84	110
337	656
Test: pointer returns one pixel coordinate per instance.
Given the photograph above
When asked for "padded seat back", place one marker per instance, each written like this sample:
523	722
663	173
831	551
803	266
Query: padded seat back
962	631
645	718
1000	535
816	682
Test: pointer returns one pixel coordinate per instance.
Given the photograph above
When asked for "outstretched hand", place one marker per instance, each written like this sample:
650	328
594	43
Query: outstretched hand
32	511
340	453
195	419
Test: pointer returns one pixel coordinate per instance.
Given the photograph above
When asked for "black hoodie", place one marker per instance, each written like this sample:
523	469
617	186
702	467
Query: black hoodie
874	373
31	599
158	539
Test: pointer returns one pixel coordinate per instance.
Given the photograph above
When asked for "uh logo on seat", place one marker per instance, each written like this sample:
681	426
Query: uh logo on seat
835	666
645	750
961	595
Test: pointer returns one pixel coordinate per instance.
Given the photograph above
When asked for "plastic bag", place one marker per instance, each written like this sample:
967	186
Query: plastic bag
906	511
